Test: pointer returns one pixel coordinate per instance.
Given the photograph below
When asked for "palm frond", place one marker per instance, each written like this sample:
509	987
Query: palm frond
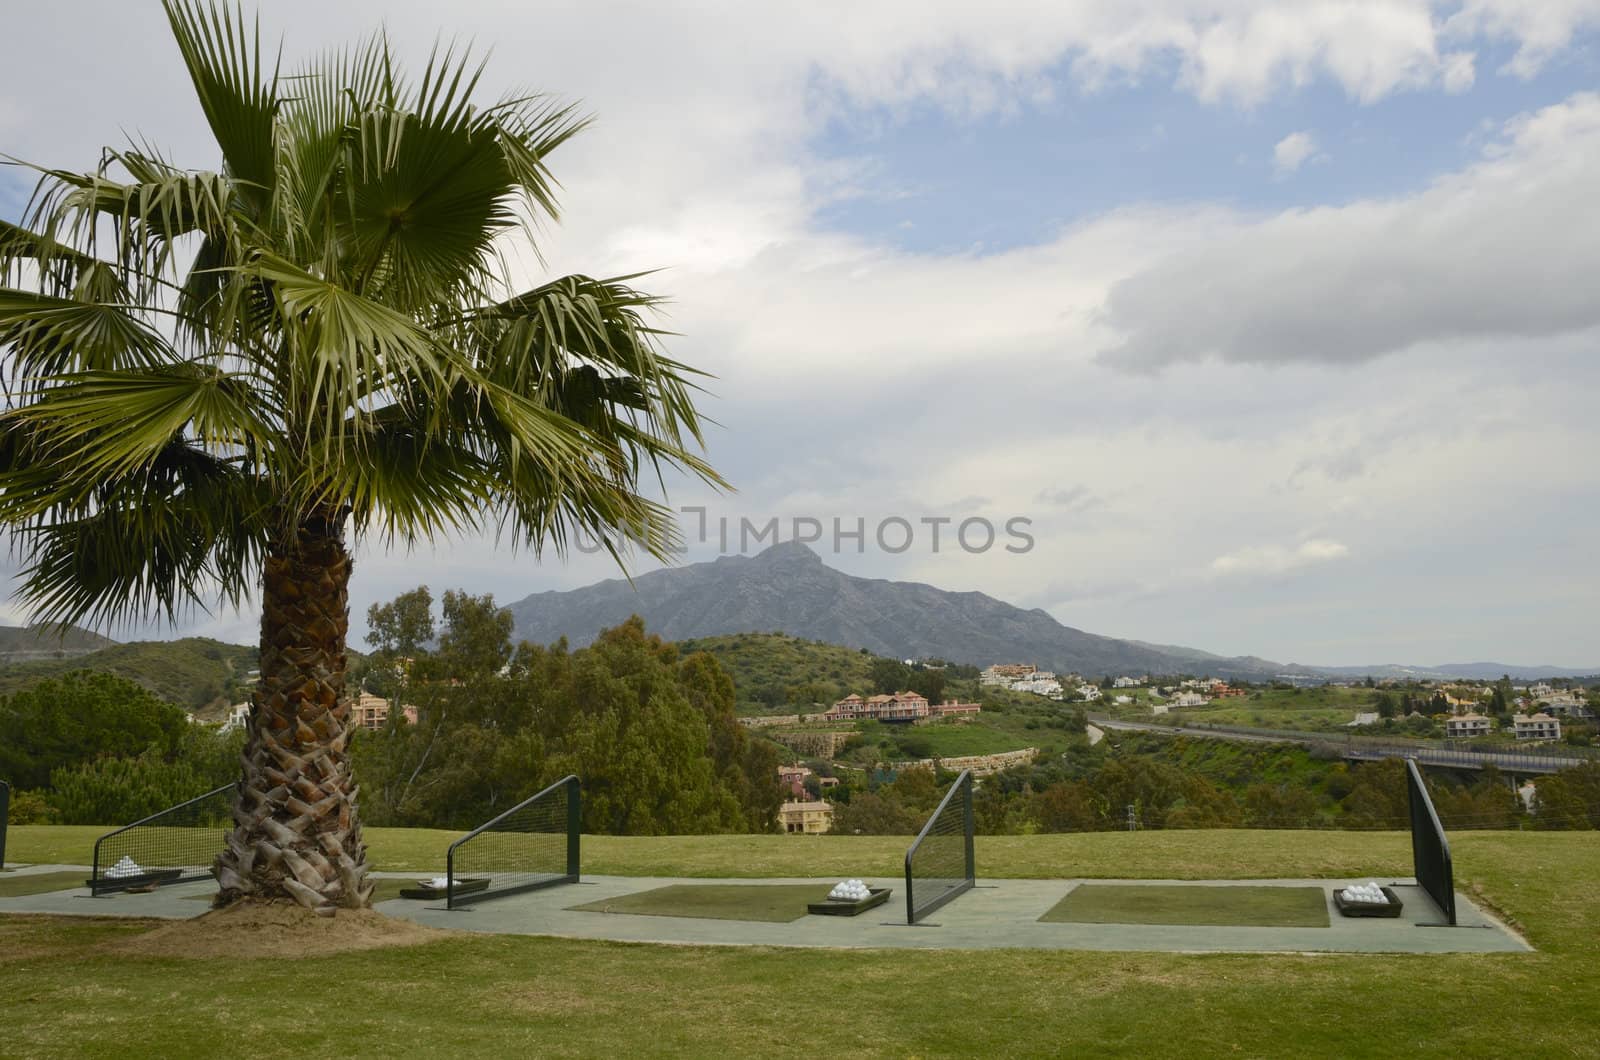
104	425
188	530
51	336
238	97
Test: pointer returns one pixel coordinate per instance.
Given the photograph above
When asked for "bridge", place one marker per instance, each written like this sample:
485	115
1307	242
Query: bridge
1369	749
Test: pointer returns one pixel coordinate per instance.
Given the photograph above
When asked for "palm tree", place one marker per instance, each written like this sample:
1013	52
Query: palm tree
211	375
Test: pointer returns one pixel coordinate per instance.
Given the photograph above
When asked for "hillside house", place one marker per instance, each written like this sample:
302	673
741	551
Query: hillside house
952	709
1468	725
1005	673
1127	682
1189	699
792	779
1536	727
372	712
1566	705
805	818
902	706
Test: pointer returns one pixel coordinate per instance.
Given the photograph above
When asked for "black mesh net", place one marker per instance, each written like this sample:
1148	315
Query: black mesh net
179	843
5	811
1430	851
533	844
939	865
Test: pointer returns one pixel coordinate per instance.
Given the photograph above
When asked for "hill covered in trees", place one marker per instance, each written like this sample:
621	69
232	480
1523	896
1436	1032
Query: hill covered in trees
196	673
25	643
771	670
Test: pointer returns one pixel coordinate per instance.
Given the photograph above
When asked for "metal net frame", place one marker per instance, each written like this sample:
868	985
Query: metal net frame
170	846
534	844
1430	850
940	865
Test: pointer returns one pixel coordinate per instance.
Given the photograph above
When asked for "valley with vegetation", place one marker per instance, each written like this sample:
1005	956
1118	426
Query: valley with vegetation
689	737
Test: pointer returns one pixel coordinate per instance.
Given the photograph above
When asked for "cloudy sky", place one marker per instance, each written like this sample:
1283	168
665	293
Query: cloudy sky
1279	322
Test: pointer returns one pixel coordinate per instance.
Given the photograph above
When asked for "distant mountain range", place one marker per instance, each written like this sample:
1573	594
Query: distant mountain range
785	589
788	589
1478	671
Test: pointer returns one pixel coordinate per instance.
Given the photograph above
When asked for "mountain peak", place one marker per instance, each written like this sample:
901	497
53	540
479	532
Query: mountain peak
788	587
788	552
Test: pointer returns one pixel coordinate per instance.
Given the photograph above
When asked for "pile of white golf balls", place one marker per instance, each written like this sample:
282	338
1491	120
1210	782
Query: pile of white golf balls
850	891
1368	892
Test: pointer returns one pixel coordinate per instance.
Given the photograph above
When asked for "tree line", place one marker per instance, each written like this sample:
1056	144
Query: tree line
651	733
1270	787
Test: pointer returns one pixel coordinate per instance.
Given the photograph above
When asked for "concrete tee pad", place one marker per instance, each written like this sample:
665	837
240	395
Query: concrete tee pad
998	914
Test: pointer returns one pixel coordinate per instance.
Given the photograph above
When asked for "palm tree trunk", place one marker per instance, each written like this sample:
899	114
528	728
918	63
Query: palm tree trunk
296	833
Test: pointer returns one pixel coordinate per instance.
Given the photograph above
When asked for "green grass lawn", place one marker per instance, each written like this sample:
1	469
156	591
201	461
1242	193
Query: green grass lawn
14	886
773	903
1124	855
62	992
1155	903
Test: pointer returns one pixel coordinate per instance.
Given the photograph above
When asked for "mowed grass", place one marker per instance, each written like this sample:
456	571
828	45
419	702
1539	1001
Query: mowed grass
772	903
1155	903
16	886
1126	855
64	991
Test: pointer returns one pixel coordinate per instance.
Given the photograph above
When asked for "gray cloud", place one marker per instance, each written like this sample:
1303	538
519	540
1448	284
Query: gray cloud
1072	498
1507	248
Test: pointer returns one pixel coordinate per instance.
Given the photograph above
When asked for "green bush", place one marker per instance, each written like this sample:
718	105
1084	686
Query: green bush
79	717
30	807
120	790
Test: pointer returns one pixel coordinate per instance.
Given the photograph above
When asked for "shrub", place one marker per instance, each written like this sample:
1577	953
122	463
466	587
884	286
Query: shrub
30	807
120	790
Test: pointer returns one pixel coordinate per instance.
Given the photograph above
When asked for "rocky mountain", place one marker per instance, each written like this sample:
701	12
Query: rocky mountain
788	588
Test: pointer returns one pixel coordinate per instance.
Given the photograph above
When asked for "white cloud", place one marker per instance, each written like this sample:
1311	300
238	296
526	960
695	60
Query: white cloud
1503	248
1541	29
854	377
1460	71
1278	559
1291	152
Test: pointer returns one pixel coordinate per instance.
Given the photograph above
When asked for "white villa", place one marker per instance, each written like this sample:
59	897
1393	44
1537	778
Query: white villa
1468	725
1565	704
238	717
1536	727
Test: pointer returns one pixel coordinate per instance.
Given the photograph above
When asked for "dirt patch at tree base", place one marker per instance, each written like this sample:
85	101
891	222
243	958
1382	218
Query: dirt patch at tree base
277	929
